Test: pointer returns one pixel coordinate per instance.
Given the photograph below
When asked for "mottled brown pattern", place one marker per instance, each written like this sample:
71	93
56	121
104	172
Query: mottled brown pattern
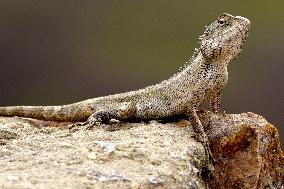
202	79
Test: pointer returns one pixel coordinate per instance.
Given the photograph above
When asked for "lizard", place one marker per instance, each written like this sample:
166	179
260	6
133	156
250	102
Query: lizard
201	79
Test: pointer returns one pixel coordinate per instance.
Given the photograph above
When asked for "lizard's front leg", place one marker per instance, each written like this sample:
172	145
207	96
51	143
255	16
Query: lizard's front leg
215	103
201	136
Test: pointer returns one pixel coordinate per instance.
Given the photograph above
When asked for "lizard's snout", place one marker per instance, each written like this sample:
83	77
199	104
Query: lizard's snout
244	21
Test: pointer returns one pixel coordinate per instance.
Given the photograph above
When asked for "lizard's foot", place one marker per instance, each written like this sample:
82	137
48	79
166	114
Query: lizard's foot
114	121
89	124
207	172
204	140
208	168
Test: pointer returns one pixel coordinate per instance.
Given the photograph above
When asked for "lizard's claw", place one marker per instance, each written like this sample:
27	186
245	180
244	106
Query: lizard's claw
209	167
72	127
89	124
208	170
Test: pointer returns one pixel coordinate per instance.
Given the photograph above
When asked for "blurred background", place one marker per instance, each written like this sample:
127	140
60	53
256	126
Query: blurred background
58	52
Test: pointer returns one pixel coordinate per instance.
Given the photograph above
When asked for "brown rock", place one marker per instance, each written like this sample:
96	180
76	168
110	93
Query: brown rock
247	151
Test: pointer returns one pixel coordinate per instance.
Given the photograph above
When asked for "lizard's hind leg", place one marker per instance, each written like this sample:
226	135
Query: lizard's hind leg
96	119
115	113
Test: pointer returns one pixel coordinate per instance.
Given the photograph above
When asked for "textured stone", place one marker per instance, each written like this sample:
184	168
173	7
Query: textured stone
247	151
129	155
37	154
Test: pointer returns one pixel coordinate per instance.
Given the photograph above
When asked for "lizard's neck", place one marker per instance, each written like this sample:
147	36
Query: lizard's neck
200	64
201	73
197	71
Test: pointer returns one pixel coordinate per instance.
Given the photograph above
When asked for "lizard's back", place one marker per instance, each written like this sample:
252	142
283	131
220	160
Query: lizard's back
202	79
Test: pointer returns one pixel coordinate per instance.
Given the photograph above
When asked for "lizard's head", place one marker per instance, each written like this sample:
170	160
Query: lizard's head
224	38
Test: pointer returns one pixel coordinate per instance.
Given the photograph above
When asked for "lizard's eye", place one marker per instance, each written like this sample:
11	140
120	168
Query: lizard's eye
222	21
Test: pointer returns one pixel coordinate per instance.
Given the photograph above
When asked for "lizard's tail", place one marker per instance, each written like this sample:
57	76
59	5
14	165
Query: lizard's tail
73	112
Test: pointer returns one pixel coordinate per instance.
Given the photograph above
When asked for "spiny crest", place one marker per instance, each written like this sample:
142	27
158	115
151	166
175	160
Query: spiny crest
196	51
187	63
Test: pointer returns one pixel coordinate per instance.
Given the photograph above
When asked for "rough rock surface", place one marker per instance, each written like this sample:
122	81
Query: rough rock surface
37	154
247	151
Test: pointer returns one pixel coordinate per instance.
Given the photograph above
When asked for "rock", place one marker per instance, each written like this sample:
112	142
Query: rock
131	155
247	151
12	178
6	135
138	155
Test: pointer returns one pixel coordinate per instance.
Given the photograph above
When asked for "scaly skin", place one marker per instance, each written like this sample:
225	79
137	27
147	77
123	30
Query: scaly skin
202	79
